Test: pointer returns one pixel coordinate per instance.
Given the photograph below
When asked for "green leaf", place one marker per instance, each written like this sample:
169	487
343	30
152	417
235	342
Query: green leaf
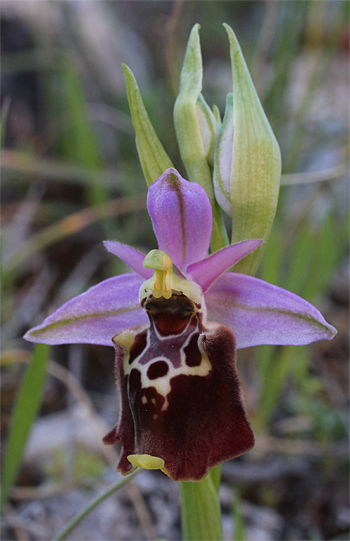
154	160
200	511
25	410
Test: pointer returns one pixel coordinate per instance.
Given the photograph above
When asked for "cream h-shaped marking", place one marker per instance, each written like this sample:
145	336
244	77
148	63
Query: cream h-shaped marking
161	285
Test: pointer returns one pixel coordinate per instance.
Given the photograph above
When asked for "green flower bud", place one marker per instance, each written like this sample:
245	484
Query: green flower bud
223	159
209	128
196	129
247	162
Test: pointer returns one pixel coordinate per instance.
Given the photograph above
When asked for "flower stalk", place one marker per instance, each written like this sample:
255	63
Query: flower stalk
200	511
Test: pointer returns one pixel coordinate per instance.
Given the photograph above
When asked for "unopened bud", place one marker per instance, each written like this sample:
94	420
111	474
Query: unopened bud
247	162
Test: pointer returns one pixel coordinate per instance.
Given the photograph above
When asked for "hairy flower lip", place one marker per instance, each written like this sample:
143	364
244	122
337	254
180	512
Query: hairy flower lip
178	303
179	393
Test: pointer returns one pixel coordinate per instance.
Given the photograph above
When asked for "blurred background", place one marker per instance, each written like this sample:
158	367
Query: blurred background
71	178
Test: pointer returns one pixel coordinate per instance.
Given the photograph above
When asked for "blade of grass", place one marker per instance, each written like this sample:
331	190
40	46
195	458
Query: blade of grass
274	380
271	266
80	142
239	534
25	410
4	115
313	255
330	245
301	254
289	26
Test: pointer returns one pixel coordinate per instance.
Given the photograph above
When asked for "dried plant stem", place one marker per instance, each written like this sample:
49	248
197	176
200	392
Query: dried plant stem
70	225
25	163
332	173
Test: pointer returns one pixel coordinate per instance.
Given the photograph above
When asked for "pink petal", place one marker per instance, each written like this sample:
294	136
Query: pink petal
260	313
132	257
207	270
95	316
181	216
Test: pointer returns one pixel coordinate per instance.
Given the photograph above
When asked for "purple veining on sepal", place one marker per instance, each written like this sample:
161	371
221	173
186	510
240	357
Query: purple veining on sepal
207	270
261	313
181	217
131	257
95	316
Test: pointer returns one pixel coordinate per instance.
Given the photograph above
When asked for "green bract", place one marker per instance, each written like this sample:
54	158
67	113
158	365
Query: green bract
247	162
154	160
237	162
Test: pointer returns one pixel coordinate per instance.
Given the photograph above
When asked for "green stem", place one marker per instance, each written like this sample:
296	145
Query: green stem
200	510
94	503
215	474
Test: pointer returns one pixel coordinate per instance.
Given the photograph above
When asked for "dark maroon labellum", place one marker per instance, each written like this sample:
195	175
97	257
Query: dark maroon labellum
180	393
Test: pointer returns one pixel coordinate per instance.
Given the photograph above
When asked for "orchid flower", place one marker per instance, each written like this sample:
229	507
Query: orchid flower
175	323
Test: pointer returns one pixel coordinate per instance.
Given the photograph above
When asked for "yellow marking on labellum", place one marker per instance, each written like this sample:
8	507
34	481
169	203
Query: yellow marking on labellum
125	339
162	281
148	462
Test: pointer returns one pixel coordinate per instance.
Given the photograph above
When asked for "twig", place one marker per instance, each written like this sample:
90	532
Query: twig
38	493
298	447
70	225
314	176
30	165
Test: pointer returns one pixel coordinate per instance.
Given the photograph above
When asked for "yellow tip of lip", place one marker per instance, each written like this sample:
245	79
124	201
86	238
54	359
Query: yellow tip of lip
147	462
